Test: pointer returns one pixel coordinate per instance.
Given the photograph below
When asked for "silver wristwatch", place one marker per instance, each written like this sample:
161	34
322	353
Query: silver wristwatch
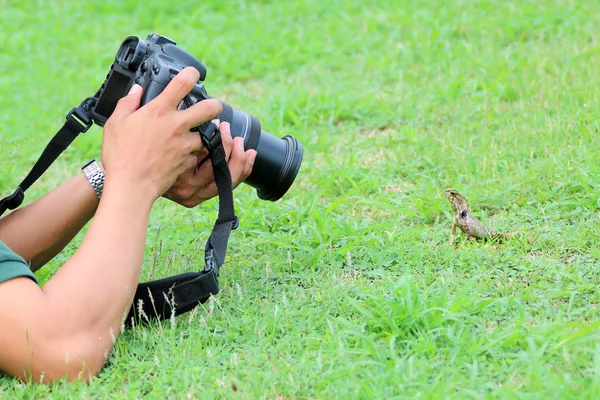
95	175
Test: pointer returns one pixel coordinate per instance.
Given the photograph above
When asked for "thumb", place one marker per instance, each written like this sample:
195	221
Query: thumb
129	104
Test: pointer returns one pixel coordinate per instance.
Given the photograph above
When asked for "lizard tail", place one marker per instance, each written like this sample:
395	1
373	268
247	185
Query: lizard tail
510	235
502	236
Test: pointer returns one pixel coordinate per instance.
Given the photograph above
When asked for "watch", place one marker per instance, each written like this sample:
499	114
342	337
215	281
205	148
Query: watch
95	175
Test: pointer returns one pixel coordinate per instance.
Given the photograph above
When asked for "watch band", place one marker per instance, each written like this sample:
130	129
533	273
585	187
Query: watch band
95	175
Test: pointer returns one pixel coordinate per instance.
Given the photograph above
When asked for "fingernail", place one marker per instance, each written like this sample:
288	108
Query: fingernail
134	89
216	122
251	157
240	143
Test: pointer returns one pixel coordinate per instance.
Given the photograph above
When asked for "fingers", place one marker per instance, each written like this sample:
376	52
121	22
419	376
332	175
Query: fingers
201	112
240	167
226	138
204	167
129	104
201	155
238	161
195	145
179	87
250	157
190	162
241	162
199	185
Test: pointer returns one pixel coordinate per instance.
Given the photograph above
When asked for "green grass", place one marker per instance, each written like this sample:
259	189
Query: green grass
347	287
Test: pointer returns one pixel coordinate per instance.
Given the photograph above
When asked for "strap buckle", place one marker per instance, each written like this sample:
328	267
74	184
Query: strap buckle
236	223
211	265
209	255
82	113
211	136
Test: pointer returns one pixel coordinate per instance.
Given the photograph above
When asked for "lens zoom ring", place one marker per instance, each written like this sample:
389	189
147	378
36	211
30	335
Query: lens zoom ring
227	113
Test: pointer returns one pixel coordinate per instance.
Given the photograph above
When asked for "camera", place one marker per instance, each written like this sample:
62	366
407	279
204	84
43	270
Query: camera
152	63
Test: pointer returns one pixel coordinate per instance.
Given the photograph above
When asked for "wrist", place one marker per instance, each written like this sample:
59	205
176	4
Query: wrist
129	177
130	189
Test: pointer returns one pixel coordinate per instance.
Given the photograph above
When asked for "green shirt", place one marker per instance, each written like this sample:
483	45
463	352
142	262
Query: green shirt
12	266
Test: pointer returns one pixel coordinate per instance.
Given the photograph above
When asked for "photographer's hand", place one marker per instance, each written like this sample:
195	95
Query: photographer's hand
197	184
153	157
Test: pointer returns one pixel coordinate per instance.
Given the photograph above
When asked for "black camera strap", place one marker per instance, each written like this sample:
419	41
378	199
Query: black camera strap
78	120
179	294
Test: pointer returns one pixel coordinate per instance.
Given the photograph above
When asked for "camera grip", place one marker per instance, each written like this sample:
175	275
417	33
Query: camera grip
152	89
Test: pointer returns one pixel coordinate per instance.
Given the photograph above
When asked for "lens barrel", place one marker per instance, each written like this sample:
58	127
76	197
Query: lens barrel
277	160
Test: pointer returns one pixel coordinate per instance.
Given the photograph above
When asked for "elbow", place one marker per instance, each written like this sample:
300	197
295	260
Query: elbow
43	340
77	360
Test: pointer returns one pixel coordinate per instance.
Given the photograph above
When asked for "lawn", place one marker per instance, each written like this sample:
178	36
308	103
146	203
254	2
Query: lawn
347	287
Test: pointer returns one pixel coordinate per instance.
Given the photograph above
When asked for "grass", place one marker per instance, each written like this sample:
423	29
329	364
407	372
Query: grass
347	287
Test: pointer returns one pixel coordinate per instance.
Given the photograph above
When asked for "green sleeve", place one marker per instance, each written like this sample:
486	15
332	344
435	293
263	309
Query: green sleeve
13	266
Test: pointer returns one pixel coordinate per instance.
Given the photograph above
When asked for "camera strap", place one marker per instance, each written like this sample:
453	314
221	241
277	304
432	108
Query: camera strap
179	294
78	120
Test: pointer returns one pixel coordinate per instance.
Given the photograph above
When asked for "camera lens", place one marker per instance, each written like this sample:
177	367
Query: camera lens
277	160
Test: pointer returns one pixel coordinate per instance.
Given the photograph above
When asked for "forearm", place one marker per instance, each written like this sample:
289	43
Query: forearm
107	265
40	230
79	312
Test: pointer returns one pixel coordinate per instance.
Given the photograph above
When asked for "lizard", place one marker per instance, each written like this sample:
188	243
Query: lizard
464	219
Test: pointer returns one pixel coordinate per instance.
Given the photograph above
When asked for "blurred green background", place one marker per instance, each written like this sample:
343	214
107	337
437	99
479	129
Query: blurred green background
347	288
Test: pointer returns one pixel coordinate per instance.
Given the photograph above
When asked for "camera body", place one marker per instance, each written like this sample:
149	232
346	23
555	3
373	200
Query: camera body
152	63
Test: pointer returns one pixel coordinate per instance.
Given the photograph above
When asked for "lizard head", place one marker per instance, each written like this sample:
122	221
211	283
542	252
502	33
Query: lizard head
458	202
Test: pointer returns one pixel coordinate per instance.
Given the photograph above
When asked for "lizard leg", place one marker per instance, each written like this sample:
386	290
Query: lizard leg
453	234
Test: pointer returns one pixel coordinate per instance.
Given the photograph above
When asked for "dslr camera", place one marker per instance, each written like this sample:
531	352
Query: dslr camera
152	63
